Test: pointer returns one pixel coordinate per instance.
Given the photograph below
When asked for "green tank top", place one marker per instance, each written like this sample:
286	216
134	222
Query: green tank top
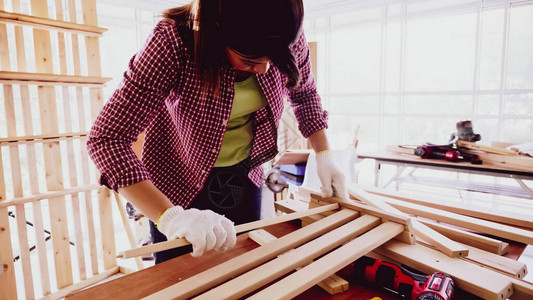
237	142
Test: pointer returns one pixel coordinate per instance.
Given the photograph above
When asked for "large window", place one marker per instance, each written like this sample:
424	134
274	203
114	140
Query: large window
407	71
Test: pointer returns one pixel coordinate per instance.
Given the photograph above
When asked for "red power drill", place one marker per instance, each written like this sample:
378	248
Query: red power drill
437	286
428	151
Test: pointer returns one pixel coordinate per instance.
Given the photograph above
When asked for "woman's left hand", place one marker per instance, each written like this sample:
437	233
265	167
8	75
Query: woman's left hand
330	176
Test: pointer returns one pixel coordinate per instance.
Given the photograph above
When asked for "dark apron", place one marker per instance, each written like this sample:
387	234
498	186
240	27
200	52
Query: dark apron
227	191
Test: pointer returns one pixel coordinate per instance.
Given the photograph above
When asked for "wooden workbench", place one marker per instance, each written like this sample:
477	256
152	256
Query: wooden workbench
403	161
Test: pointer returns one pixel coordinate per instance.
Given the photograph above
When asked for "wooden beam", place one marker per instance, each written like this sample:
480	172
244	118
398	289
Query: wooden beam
42	138
145	250
333	284
82	284
467	276
308	276
497	262
444	244
474	146
50	24
127	228
24	77
291	260
8	283
492	228
240	264
469	238
513	218
48	195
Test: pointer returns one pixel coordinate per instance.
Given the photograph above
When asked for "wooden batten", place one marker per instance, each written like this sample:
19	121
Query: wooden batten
51	78
8	284
291	260
332	262
47	195
238	265
469	238
145	250
492	228
50	24
478	212
31	139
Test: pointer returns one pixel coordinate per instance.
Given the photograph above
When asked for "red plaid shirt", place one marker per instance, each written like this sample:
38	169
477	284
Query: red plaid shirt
161	92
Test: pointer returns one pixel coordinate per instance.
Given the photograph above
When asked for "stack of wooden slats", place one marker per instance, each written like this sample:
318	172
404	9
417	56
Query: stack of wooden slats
482	271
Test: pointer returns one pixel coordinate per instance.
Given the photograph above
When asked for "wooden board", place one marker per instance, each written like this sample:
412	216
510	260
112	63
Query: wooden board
469	238
291	260
308	276
238	265
514	218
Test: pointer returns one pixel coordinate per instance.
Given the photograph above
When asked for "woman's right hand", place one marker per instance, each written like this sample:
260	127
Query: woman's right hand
204	229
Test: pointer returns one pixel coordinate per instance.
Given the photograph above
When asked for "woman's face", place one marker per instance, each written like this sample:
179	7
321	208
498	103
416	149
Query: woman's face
242	62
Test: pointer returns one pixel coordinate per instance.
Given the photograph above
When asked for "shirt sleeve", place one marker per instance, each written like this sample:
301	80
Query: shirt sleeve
305	100
147	82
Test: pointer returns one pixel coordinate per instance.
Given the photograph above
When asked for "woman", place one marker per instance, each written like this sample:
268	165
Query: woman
208	87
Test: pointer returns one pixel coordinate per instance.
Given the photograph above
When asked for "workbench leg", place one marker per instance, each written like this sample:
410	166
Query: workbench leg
377	166
399	171
524	187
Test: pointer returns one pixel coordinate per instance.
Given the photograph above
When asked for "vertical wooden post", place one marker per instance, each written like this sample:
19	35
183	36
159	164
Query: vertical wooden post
104	195
84	179
54	176
31	158
20	213
70	147
8	284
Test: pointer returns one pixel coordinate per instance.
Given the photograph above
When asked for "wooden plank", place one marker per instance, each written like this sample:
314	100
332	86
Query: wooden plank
127	228
436	239
467	276
47	195
513	218
31	160
308	276
24	247
52	154
333	284
407	236
492	228
84	178
499	263
22	77
71	161
474	146
8	284
240	264
291	260
81	285
469	238
145	250
49	24
104	195
30	139
16	174
522	290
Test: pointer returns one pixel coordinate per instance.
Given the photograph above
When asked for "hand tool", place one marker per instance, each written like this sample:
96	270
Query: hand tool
437	286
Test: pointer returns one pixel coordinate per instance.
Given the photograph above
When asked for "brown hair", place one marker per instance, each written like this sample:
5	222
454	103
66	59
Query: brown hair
252	27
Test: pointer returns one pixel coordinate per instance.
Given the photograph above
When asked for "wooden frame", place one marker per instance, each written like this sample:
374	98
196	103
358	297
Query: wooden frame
255	268
48	172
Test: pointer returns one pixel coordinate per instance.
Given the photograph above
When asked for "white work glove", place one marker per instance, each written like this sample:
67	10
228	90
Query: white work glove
330	176
204	229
